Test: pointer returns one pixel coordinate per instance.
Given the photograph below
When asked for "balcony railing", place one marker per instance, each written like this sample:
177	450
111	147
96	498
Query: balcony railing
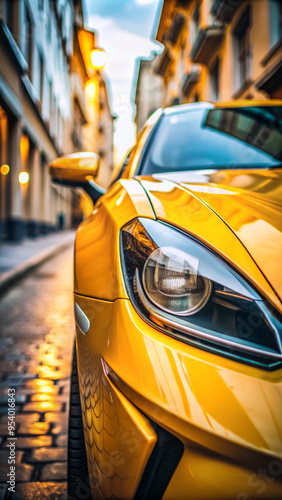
175	29
190	80
162	62
271	79
224	10
207	43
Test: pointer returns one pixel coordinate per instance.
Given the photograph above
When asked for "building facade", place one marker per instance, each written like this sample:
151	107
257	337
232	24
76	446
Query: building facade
220	50
148	93
96	133
45	55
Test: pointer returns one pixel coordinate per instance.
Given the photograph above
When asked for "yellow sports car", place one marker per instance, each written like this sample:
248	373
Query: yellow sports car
177	391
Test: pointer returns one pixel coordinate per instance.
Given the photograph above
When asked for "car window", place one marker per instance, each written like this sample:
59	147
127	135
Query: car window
216	138
136	153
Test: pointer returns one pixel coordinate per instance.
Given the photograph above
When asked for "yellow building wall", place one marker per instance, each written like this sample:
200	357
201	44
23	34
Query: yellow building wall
229	87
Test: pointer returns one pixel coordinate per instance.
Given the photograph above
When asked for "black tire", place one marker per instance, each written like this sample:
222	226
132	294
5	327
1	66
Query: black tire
78	480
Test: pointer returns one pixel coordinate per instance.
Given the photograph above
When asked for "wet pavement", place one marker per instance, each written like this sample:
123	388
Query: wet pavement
36	341
11	255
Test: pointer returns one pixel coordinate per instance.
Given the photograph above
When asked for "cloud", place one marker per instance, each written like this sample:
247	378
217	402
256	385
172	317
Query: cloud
122	49
135	16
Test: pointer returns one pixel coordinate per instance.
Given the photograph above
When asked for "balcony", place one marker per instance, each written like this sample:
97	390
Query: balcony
190	80
224	10
175	29
162	62
206	44
271	80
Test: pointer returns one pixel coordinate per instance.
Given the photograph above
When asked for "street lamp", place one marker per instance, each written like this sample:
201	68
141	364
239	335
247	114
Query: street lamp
98	59
5	169
23	178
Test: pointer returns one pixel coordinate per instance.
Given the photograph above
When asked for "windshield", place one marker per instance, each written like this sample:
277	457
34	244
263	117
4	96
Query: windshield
216	138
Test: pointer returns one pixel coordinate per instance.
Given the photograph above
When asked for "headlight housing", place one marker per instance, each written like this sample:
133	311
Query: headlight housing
187	291
172	283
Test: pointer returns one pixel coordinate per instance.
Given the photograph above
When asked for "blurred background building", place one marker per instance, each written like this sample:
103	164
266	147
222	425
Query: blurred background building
149	91
219	50
98	131
45	55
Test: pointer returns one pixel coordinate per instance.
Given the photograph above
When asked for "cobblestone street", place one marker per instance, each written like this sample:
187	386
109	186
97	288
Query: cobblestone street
36	341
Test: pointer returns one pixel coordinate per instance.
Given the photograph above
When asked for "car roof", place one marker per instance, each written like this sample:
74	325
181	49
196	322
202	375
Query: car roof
180	108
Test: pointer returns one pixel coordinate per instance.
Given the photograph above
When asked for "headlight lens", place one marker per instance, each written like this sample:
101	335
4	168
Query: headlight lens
190	293
172	282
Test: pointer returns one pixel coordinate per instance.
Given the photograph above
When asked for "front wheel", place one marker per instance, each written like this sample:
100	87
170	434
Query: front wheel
78	480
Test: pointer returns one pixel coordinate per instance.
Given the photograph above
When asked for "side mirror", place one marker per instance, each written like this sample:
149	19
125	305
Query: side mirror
77	170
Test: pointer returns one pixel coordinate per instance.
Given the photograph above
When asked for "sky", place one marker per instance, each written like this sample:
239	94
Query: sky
124	29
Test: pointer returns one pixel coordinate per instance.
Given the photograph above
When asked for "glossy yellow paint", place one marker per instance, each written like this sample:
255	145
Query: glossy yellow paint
75	168
227	414
86	204
248	103
98	270
218	479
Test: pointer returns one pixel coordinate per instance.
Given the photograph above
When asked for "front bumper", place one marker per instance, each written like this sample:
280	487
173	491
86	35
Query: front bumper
226	414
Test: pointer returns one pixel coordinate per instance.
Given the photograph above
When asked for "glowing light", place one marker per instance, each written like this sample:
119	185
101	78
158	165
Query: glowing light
91	91
24	148
42	397
36	383
47	406
5	169
23	178
98	58
46	389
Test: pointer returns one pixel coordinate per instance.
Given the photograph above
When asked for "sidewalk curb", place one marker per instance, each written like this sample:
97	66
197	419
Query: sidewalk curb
10	277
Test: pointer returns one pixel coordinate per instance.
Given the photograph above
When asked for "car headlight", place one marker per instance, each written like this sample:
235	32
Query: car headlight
189	292
172	282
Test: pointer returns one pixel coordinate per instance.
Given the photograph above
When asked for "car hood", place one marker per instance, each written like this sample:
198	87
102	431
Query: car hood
248	202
